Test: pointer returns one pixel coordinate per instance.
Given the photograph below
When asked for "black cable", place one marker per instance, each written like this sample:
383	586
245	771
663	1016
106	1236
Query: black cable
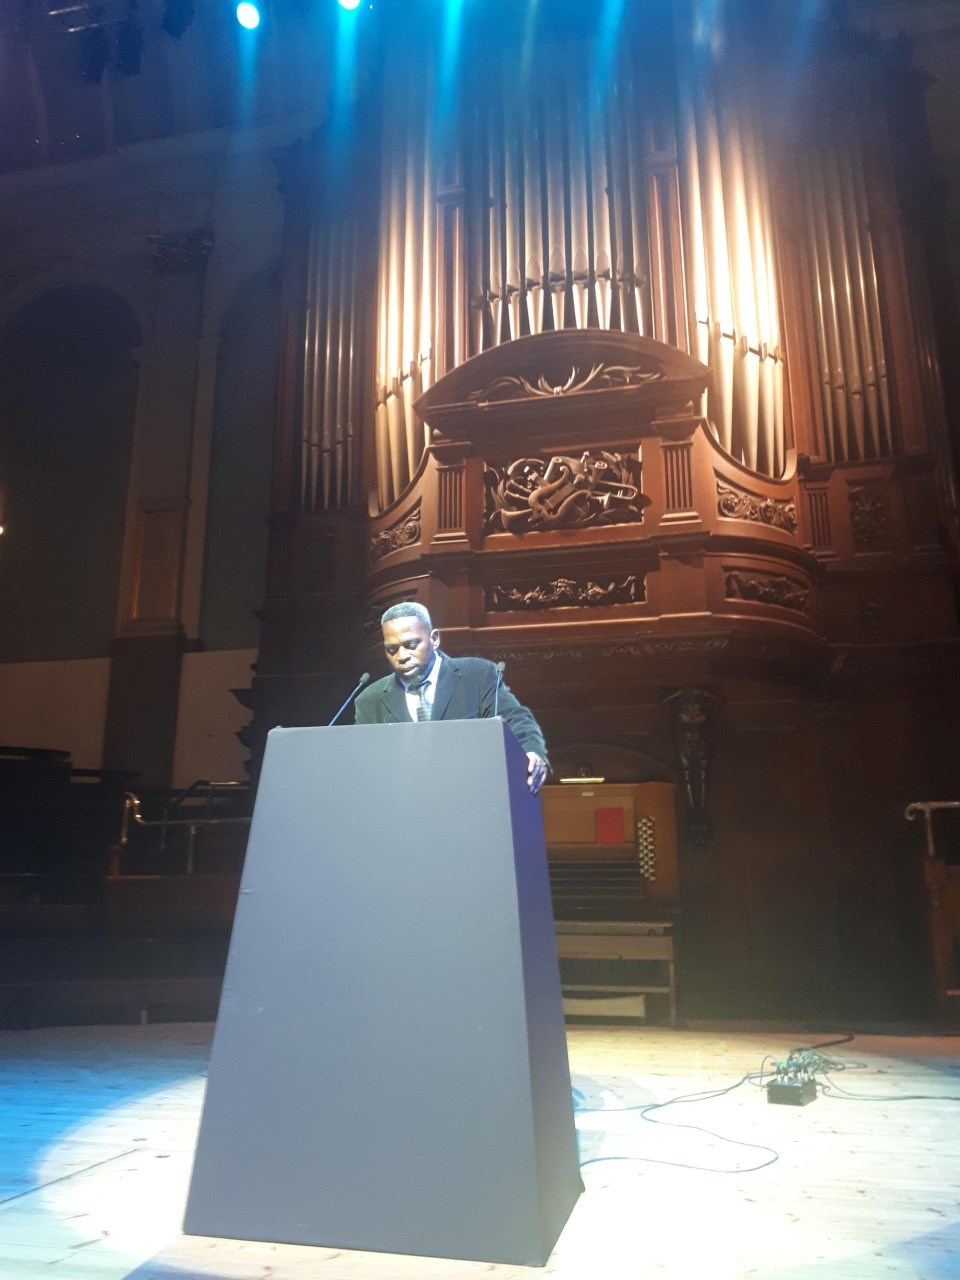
810	1063
829	1044
767	1057
830	1089
645	1108
806	1062
700	1168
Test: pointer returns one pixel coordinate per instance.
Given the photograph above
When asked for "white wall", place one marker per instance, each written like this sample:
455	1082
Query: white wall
57	705
209	716
63	706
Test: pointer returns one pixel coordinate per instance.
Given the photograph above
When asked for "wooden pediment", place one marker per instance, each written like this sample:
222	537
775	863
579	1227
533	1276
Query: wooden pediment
562	379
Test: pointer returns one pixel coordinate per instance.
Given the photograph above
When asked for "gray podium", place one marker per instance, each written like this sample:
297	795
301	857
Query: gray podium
389	1069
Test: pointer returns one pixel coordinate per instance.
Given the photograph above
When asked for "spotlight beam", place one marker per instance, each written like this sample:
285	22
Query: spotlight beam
248	15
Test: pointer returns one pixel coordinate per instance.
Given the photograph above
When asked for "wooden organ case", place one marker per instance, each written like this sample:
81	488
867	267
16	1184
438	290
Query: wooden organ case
698	496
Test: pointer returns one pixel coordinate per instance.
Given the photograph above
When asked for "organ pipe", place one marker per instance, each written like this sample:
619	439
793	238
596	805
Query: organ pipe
853	367
547	199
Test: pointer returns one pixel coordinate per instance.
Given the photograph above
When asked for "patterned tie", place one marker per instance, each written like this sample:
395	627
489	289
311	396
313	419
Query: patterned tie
423	710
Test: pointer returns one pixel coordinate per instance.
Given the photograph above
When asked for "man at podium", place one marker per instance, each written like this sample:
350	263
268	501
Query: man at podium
428	684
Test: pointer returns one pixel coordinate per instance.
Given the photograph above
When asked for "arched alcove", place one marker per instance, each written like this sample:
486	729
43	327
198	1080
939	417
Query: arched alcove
68	388
238	501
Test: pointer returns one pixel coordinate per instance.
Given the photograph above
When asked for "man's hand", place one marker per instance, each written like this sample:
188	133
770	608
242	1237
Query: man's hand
536	771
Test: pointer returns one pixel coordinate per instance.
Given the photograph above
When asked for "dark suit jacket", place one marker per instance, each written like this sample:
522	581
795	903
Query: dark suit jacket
465	691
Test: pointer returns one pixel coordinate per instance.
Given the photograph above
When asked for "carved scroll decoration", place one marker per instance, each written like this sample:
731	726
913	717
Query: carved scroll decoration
738	504
564	493
868	519
608	377
768	589
404	533
565	593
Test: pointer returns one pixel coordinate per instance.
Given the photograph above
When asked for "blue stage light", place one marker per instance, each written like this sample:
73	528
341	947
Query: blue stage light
349	4
248	15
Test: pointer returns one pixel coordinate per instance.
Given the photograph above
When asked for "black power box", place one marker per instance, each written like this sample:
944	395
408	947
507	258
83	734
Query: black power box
792	1093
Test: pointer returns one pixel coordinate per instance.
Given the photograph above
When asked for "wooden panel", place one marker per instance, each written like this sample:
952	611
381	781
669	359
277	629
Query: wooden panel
570	812
158	565
613	946
170	904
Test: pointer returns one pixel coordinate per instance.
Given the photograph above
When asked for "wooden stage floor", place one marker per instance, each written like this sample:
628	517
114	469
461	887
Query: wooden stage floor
97	1127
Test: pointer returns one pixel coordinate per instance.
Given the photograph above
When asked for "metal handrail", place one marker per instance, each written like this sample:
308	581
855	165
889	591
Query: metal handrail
204	787
928	808
200	787
131	807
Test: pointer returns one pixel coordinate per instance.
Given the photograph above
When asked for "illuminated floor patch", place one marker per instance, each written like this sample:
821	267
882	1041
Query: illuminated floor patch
98	1125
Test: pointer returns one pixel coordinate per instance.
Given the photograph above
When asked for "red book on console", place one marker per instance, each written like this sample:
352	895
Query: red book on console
611	826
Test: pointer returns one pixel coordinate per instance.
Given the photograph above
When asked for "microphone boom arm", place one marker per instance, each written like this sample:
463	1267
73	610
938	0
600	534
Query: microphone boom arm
501	667
364	679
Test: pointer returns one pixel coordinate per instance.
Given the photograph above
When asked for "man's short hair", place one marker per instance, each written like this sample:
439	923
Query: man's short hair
407	609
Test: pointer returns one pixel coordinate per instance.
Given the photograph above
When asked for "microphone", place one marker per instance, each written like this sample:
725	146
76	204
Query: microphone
501	667
364	679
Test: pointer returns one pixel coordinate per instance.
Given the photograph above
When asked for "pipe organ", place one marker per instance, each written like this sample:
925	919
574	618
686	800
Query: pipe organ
575	195
640	192
611	345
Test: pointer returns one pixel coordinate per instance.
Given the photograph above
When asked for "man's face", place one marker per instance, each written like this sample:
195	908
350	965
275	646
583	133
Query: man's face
410	645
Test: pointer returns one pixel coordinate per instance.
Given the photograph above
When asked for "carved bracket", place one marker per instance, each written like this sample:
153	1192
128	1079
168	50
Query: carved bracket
404	532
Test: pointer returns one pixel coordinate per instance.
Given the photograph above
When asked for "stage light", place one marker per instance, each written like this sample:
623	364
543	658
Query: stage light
349	4
248	15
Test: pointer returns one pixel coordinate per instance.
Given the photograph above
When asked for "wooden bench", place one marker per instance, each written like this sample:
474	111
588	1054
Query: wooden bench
618	940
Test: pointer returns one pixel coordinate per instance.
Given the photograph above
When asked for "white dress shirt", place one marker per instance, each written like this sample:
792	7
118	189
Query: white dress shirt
429	690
